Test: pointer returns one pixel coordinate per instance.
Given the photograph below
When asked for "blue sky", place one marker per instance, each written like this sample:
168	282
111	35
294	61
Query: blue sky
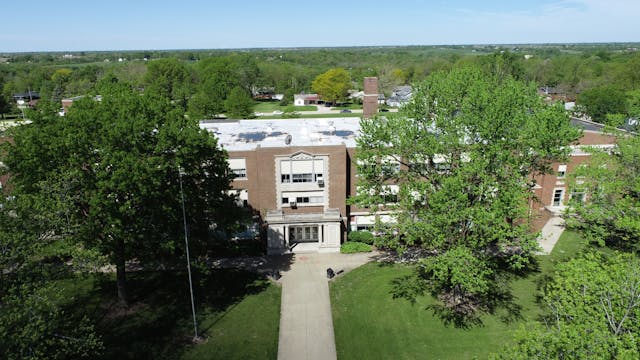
45	25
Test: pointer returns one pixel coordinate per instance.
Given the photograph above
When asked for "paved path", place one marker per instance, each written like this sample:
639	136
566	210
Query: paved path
306	324
550	234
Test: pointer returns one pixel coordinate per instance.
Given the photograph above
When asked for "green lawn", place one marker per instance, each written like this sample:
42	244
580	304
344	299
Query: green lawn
370	324
238	313
315	116
268	107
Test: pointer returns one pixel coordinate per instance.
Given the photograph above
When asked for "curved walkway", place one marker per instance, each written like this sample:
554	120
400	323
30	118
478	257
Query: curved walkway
306	323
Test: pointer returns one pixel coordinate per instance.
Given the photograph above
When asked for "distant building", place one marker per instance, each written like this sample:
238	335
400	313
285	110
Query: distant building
305	99
264	93
551	190
26	99
400	96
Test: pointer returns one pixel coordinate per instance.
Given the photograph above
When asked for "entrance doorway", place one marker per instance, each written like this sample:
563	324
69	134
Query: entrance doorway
303	234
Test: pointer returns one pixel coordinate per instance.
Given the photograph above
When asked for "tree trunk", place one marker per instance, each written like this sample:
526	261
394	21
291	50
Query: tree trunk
121	275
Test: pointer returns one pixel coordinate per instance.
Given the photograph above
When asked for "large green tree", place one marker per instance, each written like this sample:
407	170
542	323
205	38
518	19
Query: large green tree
332	85
37	320
603	100
217	79
239	104
611	185
468	145
592	312
171	78
111	167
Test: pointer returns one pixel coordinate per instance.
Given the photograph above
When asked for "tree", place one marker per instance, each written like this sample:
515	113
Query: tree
601	101
633	104
171	78
37	320
592	312
112	167
332	85
611	215
239	104
462	154
217	78
5	105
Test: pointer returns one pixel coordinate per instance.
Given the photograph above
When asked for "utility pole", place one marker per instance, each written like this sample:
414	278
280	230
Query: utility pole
186	244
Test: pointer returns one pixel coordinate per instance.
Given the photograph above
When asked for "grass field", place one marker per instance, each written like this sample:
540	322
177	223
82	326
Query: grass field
238	314
315	116
268	107
370	324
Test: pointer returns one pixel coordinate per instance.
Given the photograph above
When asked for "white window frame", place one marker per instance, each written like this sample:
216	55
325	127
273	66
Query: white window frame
553	197
302	198
582	194
562	171
238	167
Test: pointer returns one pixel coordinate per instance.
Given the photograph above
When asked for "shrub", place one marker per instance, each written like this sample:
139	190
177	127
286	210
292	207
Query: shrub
361	236
290	115
351	247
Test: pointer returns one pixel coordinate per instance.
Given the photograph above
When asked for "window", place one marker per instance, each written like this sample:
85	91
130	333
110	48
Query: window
239	173
562	171
557	197
390	193
390	165
578	196
301	171
309	198
367	227
242	196
301	178
303	233
238	168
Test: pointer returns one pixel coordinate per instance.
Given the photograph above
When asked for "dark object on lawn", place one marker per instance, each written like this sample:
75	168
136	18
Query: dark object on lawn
340	271
330	273
275	275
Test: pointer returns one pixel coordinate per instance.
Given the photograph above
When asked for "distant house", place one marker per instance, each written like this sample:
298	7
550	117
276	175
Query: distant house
400	96
305	99
26	99
264	93
354	94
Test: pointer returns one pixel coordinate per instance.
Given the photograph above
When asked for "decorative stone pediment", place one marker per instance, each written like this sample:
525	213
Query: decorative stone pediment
301	155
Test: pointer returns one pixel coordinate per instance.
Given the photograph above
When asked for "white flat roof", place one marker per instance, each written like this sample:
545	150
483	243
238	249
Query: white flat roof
244	135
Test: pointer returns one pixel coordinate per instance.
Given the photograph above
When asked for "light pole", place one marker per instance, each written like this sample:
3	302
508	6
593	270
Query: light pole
186	244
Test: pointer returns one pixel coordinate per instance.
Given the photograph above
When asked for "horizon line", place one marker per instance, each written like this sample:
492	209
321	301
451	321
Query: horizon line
322	47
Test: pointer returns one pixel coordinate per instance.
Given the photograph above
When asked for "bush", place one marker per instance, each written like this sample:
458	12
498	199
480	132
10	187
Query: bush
351	247
361	236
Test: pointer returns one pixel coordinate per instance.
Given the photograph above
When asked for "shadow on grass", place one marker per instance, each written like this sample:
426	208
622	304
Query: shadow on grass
158	323
466	310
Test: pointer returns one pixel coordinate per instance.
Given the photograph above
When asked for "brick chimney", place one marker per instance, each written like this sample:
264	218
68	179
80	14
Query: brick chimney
370	99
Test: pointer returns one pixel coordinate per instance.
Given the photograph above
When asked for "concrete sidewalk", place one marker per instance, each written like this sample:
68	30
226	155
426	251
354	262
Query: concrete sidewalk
550	234
306	323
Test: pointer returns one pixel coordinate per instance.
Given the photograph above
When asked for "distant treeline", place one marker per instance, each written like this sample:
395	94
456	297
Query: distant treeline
202	80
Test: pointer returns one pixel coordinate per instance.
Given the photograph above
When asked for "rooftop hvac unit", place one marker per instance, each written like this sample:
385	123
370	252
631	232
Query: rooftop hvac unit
321	183
293	204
